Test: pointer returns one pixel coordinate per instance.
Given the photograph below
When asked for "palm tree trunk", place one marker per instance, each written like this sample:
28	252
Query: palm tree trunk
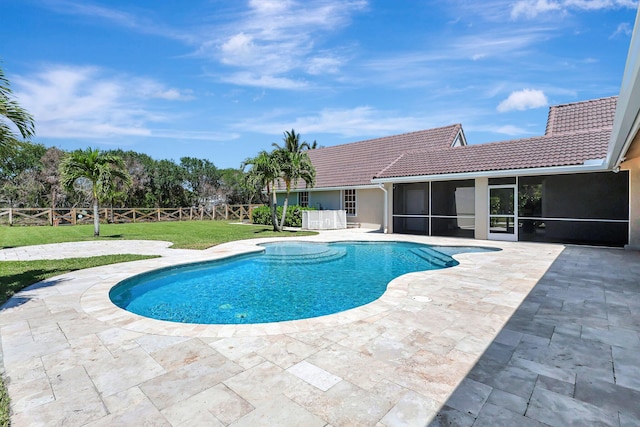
96	219
284	210
274	212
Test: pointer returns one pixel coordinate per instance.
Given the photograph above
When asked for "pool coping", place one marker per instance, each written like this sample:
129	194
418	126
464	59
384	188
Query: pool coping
96	302
73	357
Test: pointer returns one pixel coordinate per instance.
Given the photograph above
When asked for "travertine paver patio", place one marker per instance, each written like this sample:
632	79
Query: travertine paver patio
72	358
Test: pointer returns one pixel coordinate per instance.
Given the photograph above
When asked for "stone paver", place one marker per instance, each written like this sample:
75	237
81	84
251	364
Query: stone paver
532	335
570	354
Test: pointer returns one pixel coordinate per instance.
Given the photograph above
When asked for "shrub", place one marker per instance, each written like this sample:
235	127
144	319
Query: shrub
262	215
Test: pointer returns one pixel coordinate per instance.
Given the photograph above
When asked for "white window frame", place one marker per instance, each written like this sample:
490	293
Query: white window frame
303	195
346	203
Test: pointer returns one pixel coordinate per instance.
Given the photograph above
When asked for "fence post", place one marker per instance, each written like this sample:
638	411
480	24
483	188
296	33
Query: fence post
134	215
74	217
10	216
201	213
158	214
226	212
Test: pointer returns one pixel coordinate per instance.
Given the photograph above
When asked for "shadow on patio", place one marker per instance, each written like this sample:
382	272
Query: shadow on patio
569	355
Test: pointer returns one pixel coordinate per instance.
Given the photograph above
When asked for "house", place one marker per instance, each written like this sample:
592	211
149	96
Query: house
344	172
553	188
577	183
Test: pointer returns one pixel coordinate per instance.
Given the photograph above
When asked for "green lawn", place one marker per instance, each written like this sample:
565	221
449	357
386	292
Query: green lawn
16	275
184	234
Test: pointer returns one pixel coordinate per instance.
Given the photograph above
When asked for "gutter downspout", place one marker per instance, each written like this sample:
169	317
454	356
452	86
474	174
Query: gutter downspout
386	208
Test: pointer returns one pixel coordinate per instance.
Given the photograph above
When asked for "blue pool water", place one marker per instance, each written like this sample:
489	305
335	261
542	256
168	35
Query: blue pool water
288	281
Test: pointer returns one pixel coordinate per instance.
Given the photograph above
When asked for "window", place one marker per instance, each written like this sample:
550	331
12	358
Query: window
453	208
445	208
588	208
303	199
350	201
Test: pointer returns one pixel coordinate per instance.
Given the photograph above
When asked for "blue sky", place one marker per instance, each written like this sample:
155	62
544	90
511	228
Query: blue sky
222	79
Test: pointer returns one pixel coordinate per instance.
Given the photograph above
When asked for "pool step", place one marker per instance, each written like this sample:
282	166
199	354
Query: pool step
435	257
330	254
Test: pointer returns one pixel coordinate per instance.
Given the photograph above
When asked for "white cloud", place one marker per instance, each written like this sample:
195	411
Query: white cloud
525	99
83	102
510	130
276	39
600	4
263	80
121	18
533	8
356	122
323	65
623	29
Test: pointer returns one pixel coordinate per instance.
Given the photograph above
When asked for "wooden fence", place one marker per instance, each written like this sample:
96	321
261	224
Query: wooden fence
73	216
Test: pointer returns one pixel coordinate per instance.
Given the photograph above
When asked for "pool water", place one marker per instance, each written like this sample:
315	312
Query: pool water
288	281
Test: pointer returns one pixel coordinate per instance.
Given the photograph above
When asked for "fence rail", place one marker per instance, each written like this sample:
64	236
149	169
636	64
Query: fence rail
74	216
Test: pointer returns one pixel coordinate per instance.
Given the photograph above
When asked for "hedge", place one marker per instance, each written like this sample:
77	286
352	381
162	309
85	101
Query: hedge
262	215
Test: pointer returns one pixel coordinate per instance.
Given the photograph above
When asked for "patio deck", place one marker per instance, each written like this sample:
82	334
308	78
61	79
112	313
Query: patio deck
535	334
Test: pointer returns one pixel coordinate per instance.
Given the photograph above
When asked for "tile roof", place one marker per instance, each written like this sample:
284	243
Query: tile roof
358	162
580	116
575	133
537	152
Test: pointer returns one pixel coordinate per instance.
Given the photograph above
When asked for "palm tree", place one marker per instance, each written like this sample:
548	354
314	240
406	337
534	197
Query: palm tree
11	112
294	165
292	142
264	171
98	171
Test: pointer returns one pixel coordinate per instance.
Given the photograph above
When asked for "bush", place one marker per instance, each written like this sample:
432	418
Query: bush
262	215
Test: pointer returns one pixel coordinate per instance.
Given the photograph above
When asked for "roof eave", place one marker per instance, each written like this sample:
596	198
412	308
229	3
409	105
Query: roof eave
627	118
335	188
590	166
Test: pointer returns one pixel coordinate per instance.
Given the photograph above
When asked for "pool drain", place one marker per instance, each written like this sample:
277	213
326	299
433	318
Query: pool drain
421	298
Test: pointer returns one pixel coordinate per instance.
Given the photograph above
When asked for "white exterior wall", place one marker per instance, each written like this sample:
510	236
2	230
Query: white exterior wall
482	208
634	203
369	208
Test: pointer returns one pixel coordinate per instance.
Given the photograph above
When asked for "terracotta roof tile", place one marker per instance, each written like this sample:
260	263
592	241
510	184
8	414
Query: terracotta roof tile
357	163
575	133
537	152
581	116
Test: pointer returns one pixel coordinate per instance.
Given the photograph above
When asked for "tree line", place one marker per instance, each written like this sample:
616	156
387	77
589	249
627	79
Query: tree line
30	176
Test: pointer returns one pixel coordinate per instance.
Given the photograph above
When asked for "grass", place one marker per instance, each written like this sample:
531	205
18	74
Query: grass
184	235
5	420
16	275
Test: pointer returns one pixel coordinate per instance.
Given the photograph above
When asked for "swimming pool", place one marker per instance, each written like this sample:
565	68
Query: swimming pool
287	281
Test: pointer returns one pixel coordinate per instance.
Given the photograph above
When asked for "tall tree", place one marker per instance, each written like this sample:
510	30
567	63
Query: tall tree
264	170
294	165
17	169
292	143
11	113
140	167
236	189
50	175
167	182
201	178
95	171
